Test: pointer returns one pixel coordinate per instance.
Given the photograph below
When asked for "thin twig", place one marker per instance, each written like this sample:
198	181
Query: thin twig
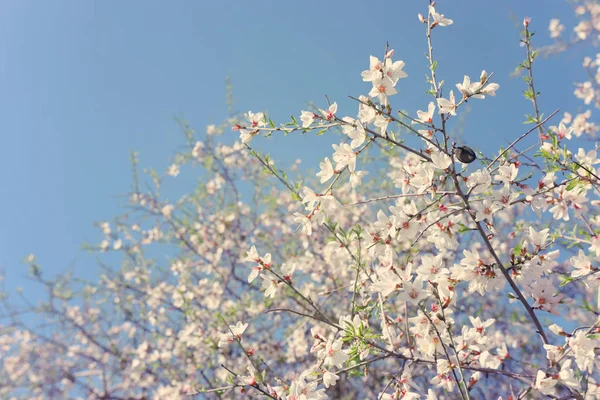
522	137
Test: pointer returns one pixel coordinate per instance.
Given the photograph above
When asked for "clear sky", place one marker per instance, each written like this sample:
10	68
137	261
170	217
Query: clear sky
84	82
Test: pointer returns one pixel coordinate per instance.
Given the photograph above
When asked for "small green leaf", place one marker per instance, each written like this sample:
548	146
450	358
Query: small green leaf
565	279
572	185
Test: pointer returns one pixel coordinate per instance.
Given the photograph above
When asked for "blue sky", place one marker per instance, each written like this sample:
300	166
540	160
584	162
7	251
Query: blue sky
82	83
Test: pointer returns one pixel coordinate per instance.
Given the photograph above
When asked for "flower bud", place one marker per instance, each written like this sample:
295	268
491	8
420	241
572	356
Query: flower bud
465	154
483	77
526	21
422	18
390	54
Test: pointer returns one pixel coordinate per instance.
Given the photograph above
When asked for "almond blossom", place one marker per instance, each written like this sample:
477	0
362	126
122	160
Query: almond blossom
255	121
470	89
235	333
307	118
382	89
447	106
425	117
344	156
439	19
327	170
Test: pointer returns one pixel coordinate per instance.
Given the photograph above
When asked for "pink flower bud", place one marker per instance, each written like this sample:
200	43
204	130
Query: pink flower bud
526	21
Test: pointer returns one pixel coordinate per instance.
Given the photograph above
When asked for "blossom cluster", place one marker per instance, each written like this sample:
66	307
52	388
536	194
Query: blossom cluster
407	271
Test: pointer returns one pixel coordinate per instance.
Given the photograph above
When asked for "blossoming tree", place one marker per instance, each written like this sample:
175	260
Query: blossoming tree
450	274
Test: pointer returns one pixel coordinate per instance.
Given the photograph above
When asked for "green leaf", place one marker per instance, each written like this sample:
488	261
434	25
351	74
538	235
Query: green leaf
587	306
463	228
565	279
572	185
518	248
